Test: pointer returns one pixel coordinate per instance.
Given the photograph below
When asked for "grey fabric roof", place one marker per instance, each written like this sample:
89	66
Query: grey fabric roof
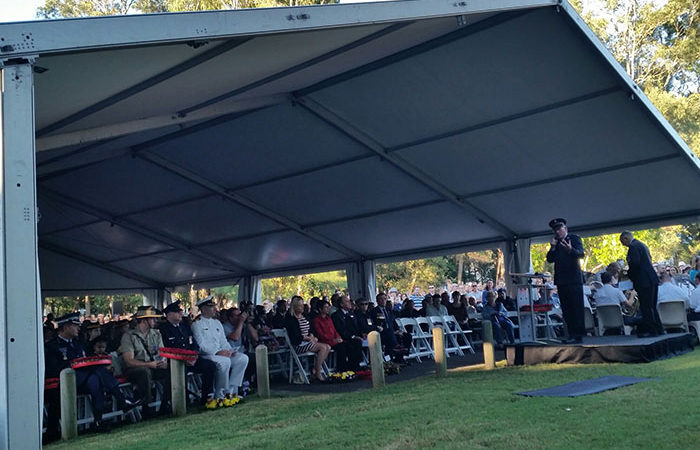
293	138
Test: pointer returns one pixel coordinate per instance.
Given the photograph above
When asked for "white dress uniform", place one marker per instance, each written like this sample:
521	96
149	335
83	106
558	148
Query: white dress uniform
209	334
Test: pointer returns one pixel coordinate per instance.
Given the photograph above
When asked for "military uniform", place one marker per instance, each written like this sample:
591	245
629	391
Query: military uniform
209	334
180	336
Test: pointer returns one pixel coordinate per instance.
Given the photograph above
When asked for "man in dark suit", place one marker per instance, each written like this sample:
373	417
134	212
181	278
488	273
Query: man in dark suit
350	350
646	283
565	252
177	334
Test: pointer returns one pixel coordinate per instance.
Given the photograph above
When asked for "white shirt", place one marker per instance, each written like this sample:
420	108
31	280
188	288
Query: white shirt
669	291
695	300
209	334
609	295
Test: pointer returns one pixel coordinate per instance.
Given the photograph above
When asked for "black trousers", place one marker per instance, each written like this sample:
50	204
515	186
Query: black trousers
571	297
348	354
648	296
206	368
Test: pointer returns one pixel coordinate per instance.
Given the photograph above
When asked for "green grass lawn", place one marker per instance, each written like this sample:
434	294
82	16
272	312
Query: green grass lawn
467	409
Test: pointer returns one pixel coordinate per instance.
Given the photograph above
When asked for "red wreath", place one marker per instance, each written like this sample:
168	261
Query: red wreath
51	383
537	308
178	353
91	361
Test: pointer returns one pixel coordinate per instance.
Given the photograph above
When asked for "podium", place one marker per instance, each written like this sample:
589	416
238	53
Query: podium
527	309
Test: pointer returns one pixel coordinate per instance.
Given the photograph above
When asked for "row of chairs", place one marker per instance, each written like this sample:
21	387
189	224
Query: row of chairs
421	331
672	315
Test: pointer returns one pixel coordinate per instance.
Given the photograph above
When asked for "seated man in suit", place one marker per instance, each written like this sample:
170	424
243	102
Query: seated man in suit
345	324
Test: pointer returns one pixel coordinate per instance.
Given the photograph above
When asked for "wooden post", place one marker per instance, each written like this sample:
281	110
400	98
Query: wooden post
263	371
178	387
376	359
439	350
487	337
69	405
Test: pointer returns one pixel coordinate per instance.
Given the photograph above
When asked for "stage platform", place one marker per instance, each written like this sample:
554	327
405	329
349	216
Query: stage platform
600	349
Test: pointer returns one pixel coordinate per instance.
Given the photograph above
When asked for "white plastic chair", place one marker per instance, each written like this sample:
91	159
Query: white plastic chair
420	346
588	321
609	317
672	314
295	359
451	345
456	332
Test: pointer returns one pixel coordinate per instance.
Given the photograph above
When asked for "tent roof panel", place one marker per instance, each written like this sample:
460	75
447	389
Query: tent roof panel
480	77
578	138
340	192
640	192
205	220
246	150
122	185
430	225
276	251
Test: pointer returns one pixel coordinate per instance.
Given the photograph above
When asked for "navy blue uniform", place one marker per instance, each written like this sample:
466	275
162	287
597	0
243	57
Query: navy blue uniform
95	380
569	280
180	336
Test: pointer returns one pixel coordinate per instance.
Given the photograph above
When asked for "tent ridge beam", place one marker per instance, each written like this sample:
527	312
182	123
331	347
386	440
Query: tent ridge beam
308	225
413	51
375	213
297	68
143	85
571	176
220	263
506	119
131	213
243	201
329	117
102	265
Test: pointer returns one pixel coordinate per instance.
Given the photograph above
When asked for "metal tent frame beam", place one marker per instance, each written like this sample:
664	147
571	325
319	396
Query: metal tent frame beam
102	265
217	261
329	117
245	202
297	68
143	85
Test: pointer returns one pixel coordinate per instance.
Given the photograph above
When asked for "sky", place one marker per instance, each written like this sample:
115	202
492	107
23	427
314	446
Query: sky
18	10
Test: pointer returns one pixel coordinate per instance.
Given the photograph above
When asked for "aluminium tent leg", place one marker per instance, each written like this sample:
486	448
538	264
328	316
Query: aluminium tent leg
21	341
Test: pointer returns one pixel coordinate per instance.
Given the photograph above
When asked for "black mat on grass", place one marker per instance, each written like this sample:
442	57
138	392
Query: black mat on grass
585	387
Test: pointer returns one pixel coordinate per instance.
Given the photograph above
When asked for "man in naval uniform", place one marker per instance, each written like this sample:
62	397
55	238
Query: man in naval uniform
213	345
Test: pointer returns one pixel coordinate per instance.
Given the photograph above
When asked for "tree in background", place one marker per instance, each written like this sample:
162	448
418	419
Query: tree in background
54	9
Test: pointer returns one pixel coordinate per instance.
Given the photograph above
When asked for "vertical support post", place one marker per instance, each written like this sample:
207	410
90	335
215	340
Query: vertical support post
439	349
21	343
178	387
69	405
376	359
487	337
262	370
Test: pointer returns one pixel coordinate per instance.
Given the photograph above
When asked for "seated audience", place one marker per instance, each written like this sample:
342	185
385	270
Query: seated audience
499	319
668	291
277	320
95	380
303	339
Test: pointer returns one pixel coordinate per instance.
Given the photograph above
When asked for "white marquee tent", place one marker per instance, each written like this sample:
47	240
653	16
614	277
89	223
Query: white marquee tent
218	147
